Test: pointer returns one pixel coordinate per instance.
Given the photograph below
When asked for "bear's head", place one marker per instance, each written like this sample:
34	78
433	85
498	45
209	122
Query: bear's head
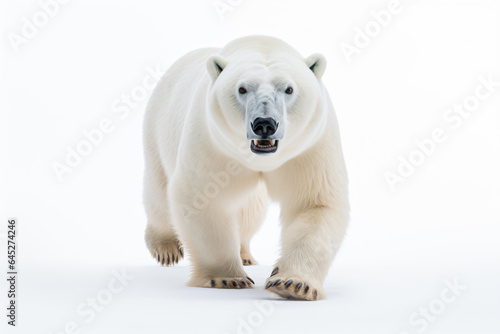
266	102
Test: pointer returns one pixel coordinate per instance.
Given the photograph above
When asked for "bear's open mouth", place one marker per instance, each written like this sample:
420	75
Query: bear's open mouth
264	146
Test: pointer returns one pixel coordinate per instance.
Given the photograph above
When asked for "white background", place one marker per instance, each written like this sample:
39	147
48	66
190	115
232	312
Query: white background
442	223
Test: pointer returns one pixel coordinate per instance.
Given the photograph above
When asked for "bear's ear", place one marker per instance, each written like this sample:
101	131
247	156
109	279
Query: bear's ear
215	65
317	64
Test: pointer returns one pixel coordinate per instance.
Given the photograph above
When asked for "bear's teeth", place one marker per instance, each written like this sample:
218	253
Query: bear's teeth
263	143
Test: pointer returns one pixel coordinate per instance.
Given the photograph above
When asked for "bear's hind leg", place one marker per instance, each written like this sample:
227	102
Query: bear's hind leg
161	238
252	217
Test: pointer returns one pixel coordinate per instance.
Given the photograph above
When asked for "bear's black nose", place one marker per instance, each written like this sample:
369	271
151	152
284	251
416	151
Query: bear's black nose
264	127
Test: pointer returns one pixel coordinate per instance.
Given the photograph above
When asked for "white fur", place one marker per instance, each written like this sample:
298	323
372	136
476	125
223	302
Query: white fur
207	192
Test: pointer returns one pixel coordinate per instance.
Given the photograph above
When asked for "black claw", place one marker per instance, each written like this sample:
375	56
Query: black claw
158	257
277	282
306	288
212	283
244	283
181	251
297	287
176	259
168	260
162	261
234	283
249	261
269	284
244	261
288	283
315	294
251	280
224	282
275	271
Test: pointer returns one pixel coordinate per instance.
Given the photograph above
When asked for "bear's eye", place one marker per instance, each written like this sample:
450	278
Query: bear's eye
242	90
289	90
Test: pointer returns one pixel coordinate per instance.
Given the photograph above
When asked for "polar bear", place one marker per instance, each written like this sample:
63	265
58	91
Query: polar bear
225	131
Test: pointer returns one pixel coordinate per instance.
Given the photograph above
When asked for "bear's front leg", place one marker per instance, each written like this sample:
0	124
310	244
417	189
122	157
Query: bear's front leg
310	240
208	228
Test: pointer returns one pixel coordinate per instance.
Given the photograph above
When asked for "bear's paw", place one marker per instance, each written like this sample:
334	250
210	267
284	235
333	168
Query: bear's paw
292	287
